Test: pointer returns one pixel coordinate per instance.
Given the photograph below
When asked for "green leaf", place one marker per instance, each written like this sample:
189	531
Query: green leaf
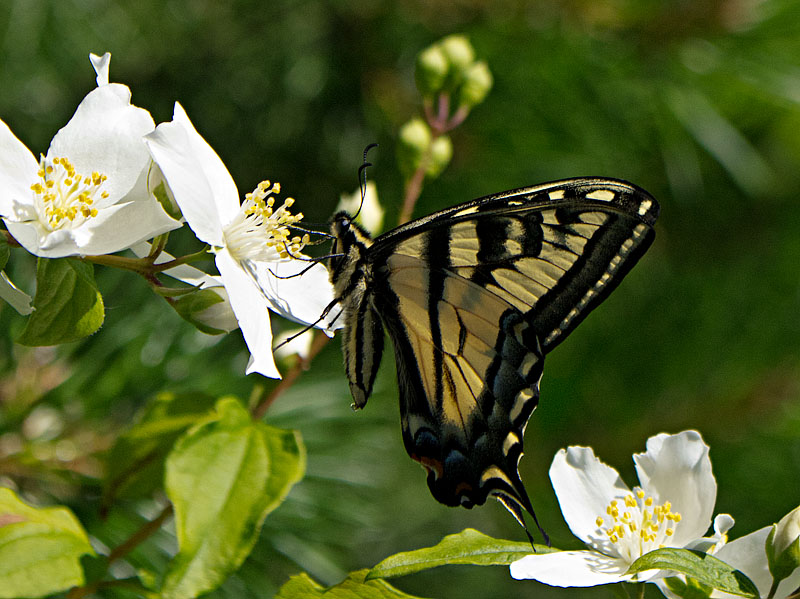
4	251
467	547
688	589
704	568
223	478
191	306
67	306
136	462
39	548
355	586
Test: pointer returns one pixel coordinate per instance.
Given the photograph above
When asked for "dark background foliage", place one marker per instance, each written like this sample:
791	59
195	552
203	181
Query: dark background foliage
698	102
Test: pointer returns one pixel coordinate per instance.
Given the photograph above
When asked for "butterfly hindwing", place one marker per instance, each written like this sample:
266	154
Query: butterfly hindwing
468	379
473	297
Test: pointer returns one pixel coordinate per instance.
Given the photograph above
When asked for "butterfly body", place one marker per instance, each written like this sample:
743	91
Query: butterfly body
472	298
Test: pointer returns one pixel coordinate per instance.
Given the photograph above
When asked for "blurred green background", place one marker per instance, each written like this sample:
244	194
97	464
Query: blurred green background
696	101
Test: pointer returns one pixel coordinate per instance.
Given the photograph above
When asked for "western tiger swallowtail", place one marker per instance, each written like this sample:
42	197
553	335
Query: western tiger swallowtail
473	297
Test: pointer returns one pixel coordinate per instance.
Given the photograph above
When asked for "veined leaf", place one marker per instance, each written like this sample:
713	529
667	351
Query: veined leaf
39	548
704	568
467	547
67	305
223	477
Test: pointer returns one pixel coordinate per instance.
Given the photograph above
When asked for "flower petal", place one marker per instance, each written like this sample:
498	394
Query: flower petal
748	554
202	186
571	569
100	65
250	307
584	486
676	468
18	168
301	298
105	135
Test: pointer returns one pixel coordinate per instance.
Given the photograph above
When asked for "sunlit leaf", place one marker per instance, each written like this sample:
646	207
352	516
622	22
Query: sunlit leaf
39	548
704	568
67	305
223	478
355	586
467	547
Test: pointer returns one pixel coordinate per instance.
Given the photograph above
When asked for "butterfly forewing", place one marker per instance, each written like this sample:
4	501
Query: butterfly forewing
473	297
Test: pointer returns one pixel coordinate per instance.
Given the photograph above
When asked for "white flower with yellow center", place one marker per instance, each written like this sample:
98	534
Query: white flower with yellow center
88	195
253	242
672	507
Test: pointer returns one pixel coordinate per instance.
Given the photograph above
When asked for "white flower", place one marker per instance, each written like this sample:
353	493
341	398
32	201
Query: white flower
88	194
251	242
748	554
672	507
370	211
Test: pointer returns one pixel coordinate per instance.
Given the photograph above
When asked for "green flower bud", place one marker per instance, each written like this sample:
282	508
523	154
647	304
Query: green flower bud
412	146
783	546
476	85
431	72
441	154
459	53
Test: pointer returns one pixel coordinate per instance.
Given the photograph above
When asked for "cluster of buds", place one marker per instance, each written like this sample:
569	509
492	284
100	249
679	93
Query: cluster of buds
451	82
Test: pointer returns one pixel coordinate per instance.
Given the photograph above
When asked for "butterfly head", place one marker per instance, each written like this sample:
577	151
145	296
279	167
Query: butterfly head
350	242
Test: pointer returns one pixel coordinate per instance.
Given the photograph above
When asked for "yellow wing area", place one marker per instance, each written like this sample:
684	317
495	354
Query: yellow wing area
466	392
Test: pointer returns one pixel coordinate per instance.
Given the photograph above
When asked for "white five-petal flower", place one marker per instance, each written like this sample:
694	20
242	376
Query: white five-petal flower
251	241
89	193
672	507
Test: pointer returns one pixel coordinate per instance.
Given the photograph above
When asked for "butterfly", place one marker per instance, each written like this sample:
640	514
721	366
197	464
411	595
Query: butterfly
473	297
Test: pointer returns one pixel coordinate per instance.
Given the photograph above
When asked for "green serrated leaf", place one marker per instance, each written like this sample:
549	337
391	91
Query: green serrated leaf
67	305
467	547
704	568
355	586
40	548
223	477
136	462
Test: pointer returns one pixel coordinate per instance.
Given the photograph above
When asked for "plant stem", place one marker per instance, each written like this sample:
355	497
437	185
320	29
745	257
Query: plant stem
147	529
319	341
120	551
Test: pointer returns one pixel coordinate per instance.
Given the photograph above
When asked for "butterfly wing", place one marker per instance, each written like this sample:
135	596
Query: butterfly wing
474	296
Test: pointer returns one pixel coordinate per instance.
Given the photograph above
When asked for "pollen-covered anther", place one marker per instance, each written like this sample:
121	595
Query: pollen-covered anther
62	196
262	232
648	525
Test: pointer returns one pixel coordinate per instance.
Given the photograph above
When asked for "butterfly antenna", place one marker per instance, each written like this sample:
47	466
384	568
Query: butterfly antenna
362	177
312	232
309	267
308	327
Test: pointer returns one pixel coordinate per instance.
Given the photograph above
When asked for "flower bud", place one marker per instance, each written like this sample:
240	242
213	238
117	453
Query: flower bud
459	53
783	546
431	71
441	153
476	85
412	146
